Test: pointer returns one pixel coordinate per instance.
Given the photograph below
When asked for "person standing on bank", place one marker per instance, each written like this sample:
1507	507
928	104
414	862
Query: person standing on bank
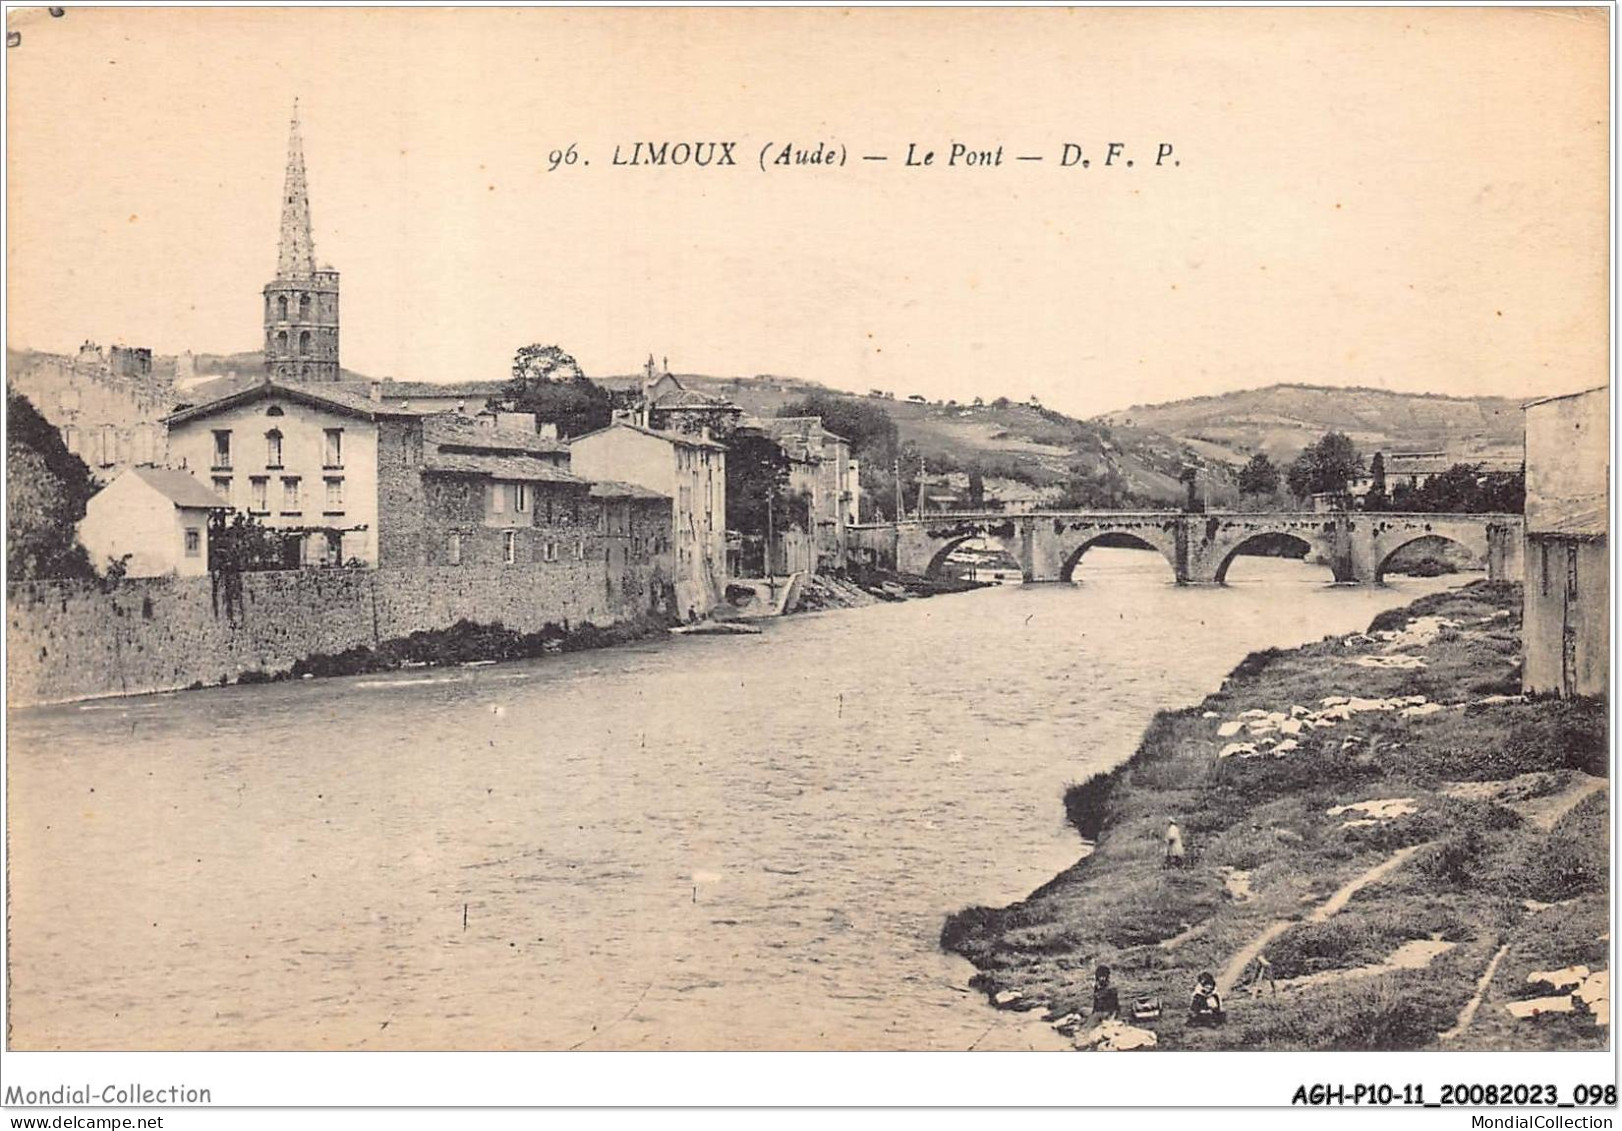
1174	845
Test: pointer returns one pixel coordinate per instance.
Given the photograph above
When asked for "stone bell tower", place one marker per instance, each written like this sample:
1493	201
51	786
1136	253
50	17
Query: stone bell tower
301	303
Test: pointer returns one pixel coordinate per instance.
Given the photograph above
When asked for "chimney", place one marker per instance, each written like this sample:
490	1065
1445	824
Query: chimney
549	430
375	391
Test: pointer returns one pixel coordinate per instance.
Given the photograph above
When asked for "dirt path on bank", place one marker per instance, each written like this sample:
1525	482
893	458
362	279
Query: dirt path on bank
1235	969
1545	812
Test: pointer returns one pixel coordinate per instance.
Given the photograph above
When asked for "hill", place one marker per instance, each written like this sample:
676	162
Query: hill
1028	454
1280	420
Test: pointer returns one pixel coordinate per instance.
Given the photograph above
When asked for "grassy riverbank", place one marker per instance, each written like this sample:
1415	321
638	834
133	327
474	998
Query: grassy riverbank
1380	815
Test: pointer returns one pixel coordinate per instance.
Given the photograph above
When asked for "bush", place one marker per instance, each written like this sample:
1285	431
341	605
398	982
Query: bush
1086	805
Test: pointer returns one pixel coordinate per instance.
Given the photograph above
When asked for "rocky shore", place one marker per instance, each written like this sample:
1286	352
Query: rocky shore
1385	847
875	586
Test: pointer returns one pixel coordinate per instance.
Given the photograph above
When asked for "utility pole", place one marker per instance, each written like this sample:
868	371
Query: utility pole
899	512
770	539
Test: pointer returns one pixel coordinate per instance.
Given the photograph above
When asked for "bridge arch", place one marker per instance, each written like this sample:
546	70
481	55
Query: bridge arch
1292	540
937	561
1113	539
1478	553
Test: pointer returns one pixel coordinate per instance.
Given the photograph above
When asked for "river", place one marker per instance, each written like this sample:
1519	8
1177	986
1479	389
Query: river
699	842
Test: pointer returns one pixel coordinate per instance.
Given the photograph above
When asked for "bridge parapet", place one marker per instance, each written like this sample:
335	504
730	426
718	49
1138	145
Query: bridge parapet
1357	545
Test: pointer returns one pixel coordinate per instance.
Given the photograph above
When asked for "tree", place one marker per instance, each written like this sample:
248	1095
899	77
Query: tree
47	488
549	383
1327	467
243	544
977	489
545	363
757	474
1259	476
1377	499
1465	489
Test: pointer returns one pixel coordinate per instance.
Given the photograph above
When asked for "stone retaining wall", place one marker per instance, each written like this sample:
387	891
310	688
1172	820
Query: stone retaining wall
79	640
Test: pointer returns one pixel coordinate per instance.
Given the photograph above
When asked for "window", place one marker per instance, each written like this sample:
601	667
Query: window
275	410
303	343
509	547
335	448
222	487
498	498
520	498
259	494
222	448
291	499
579	550
303	307
281	314
273	448
281	341
335	496
550	552
194	542
453	549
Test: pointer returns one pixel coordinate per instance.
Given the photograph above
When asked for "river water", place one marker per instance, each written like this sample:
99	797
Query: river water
711	843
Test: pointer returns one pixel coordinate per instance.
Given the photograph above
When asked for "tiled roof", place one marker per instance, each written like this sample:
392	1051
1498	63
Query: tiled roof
466	389
803	426
450	430
669	437
516	467
632	383
1428	463
1566	396
230	391
613	489
180	487
689	398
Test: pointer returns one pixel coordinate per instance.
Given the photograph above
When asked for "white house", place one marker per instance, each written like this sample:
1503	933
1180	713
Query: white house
691	471
156	516
302	458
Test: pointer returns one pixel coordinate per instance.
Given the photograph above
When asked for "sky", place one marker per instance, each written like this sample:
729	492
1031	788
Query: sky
1411	199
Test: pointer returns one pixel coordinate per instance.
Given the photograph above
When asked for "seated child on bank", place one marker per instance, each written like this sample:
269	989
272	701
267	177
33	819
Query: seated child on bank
1106	1001
1205	1004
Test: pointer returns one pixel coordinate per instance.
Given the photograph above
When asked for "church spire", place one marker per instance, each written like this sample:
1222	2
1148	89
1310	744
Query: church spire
301	302
295	257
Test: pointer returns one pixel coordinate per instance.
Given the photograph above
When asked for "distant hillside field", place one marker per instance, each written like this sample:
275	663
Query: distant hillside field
1282	419
1005	440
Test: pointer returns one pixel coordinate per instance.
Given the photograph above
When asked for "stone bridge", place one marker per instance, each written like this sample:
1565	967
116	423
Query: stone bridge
1356	545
